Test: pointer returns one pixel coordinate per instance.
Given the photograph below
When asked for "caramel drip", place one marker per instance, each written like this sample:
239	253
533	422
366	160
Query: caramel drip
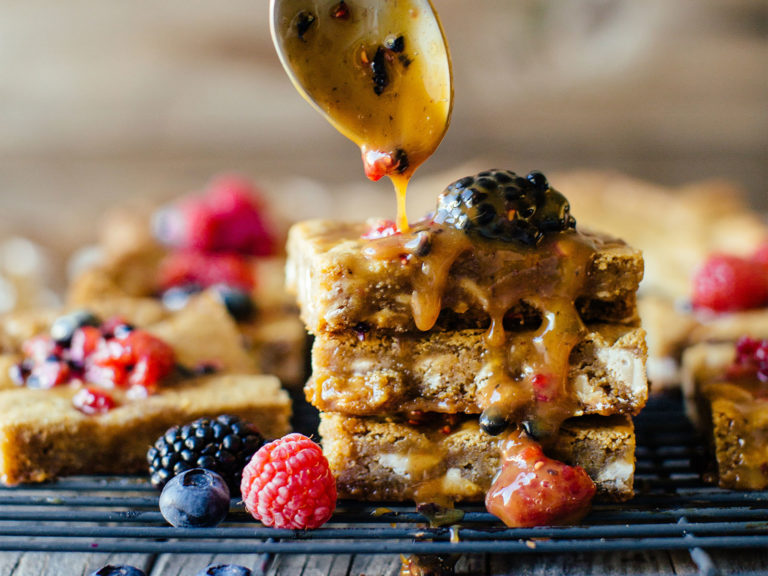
524	381
429	284
530	381
401	187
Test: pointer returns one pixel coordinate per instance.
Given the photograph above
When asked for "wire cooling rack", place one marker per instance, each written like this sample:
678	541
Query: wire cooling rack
673	509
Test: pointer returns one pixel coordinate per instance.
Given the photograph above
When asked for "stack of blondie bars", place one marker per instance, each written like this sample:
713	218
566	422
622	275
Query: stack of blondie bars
430	343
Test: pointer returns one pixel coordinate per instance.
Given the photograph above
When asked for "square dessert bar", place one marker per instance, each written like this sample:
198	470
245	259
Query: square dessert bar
386	459
430	345
44	435
732	412
368	373
339	285
274	335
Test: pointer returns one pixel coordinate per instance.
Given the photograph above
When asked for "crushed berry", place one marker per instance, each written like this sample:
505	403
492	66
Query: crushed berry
751	359
49	373
93	401
395	43
304	22
112	354
381	229
379	69
401	161
534	490
340	11
542	387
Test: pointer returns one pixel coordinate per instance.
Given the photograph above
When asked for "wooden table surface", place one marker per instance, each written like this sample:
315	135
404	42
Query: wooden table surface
615	563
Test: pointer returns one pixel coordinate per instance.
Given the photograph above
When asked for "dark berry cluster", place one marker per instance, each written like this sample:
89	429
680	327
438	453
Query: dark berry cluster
224	445
500	205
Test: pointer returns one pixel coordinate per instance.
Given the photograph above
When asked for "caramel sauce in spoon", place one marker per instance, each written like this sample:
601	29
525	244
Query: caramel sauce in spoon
380	73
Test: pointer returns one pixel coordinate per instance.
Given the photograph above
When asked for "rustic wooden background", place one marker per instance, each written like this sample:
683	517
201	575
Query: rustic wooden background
103	102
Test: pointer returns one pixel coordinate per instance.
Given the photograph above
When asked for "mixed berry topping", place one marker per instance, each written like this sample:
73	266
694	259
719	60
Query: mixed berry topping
288	484
224	445
533	490
381	229
500	205
727	283
214	239
751	359
195	498
108	355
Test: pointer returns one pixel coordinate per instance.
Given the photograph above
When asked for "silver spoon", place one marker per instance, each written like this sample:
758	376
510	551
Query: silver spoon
378	70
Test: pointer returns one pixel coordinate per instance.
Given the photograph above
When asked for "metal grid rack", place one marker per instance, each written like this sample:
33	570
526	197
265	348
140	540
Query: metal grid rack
673	509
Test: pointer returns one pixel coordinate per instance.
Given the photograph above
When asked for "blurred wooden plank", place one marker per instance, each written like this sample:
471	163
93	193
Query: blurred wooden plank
61	564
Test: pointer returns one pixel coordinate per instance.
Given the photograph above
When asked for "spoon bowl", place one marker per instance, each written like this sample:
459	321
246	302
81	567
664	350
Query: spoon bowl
378	70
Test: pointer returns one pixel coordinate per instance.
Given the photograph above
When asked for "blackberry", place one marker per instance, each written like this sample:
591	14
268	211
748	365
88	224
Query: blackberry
224	445
500	205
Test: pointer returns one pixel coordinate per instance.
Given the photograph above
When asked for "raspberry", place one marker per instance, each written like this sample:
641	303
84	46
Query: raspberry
728	283
227	218
189	267
288	484
751	359
761	255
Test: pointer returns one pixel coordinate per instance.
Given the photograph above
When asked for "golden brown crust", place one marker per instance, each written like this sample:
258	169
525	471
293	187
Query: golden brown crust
43	436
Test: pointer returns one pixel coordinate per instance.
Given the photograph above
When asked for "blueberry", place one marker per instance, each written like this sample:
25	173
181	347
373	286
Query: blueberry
64	327
224	570
176	298
492	422
195	498
120	570
239	303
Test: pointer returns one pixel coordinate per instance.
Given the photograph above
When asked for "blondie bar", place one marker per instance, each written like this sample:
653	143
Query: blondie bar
341	282
368	373
731	408
385	459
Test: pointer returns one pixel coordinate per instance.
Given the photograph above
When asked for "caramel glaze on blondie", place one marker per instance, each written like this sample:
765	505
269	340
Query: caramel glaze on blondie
408	281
